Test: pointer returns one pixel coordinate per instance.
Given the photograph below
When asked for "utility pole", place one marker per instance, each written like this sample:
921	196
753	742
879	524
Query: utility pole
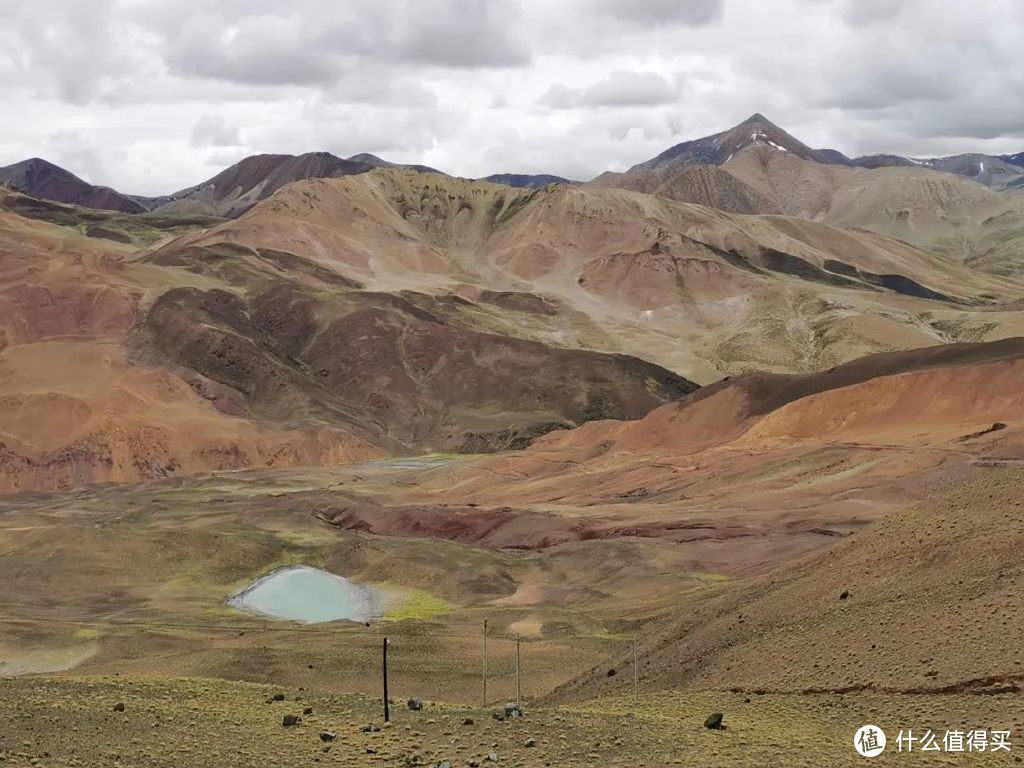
519	679
485	663
635	672
387	712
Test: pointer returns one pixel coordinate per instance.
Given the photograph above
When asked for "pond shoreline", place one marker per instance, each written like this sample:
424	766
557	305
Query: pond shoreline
364	603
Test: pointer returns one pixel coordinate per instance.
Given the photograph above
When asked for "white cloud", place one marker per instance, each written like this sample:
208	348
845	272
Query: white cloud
148	96
619	89
213	131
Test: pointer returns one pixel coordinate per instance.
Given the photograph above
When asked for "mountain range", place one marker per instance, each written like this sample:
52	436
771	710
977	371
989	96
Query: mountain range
254	178
390	311
229	193
747	416
967	207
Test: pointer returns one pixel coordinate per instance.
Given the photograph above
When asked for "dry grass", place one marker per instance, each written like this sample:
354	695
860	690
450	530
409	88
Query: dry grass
188	723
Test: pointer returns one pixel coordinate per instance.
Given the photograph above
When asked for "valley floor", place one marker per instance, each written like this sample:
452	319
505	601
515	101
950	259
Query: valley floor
72	721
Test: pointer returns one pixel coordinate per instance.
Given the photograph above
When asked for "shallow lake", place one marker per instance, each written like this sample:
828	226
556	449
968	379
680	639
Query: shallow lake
301	593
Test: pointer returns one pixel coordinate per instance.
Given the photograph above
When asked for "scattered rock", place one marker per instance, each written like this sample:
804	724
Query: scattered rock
492	757
371	751
513	710
444	764
530	742
119	707
714	721
844	594
612	672
415	705
370	728
278	697
328	735
307	711
498	715
289	720
468	721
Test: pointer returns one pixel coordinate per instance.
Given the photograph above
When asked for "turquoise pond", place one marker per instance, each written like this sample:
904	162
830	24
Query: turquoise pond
301	593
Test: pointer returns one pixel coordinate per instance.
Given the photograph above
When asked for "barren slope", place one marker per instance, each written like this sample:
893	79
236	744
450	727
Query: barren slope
931	209
122	366
925	600
936	211
693	289
946	205
919	399
701	184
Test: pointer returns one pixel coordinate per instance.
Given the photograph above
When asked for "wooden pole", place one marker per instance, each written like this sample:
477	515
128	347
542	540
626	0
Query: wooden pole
519	679
387	711
485	664
635	672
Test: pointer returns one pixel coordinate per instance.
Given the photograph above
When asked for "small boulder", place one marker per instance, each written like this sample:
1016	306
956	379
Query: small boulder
370	728
278	697
414	704
468	721
492	757
844	594
307	711
714	721
328	735
290	720
530	742
119	707
513	710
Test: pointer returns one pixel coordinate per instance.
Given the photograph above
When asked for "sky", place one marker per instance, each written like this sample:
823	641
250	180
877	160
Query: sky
151	96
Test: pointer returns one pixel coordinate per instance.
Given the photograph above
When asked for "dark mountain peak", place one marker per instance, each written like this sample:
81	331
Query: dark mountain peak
32	162
40	178
758	119
883	161
369	159
720	148
240	186
237	188
378	162
527	180
33	167
1017	159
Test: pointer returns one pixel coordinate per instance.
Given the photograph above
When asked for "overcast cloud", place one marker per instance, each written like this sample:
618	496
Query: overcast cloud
150	96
